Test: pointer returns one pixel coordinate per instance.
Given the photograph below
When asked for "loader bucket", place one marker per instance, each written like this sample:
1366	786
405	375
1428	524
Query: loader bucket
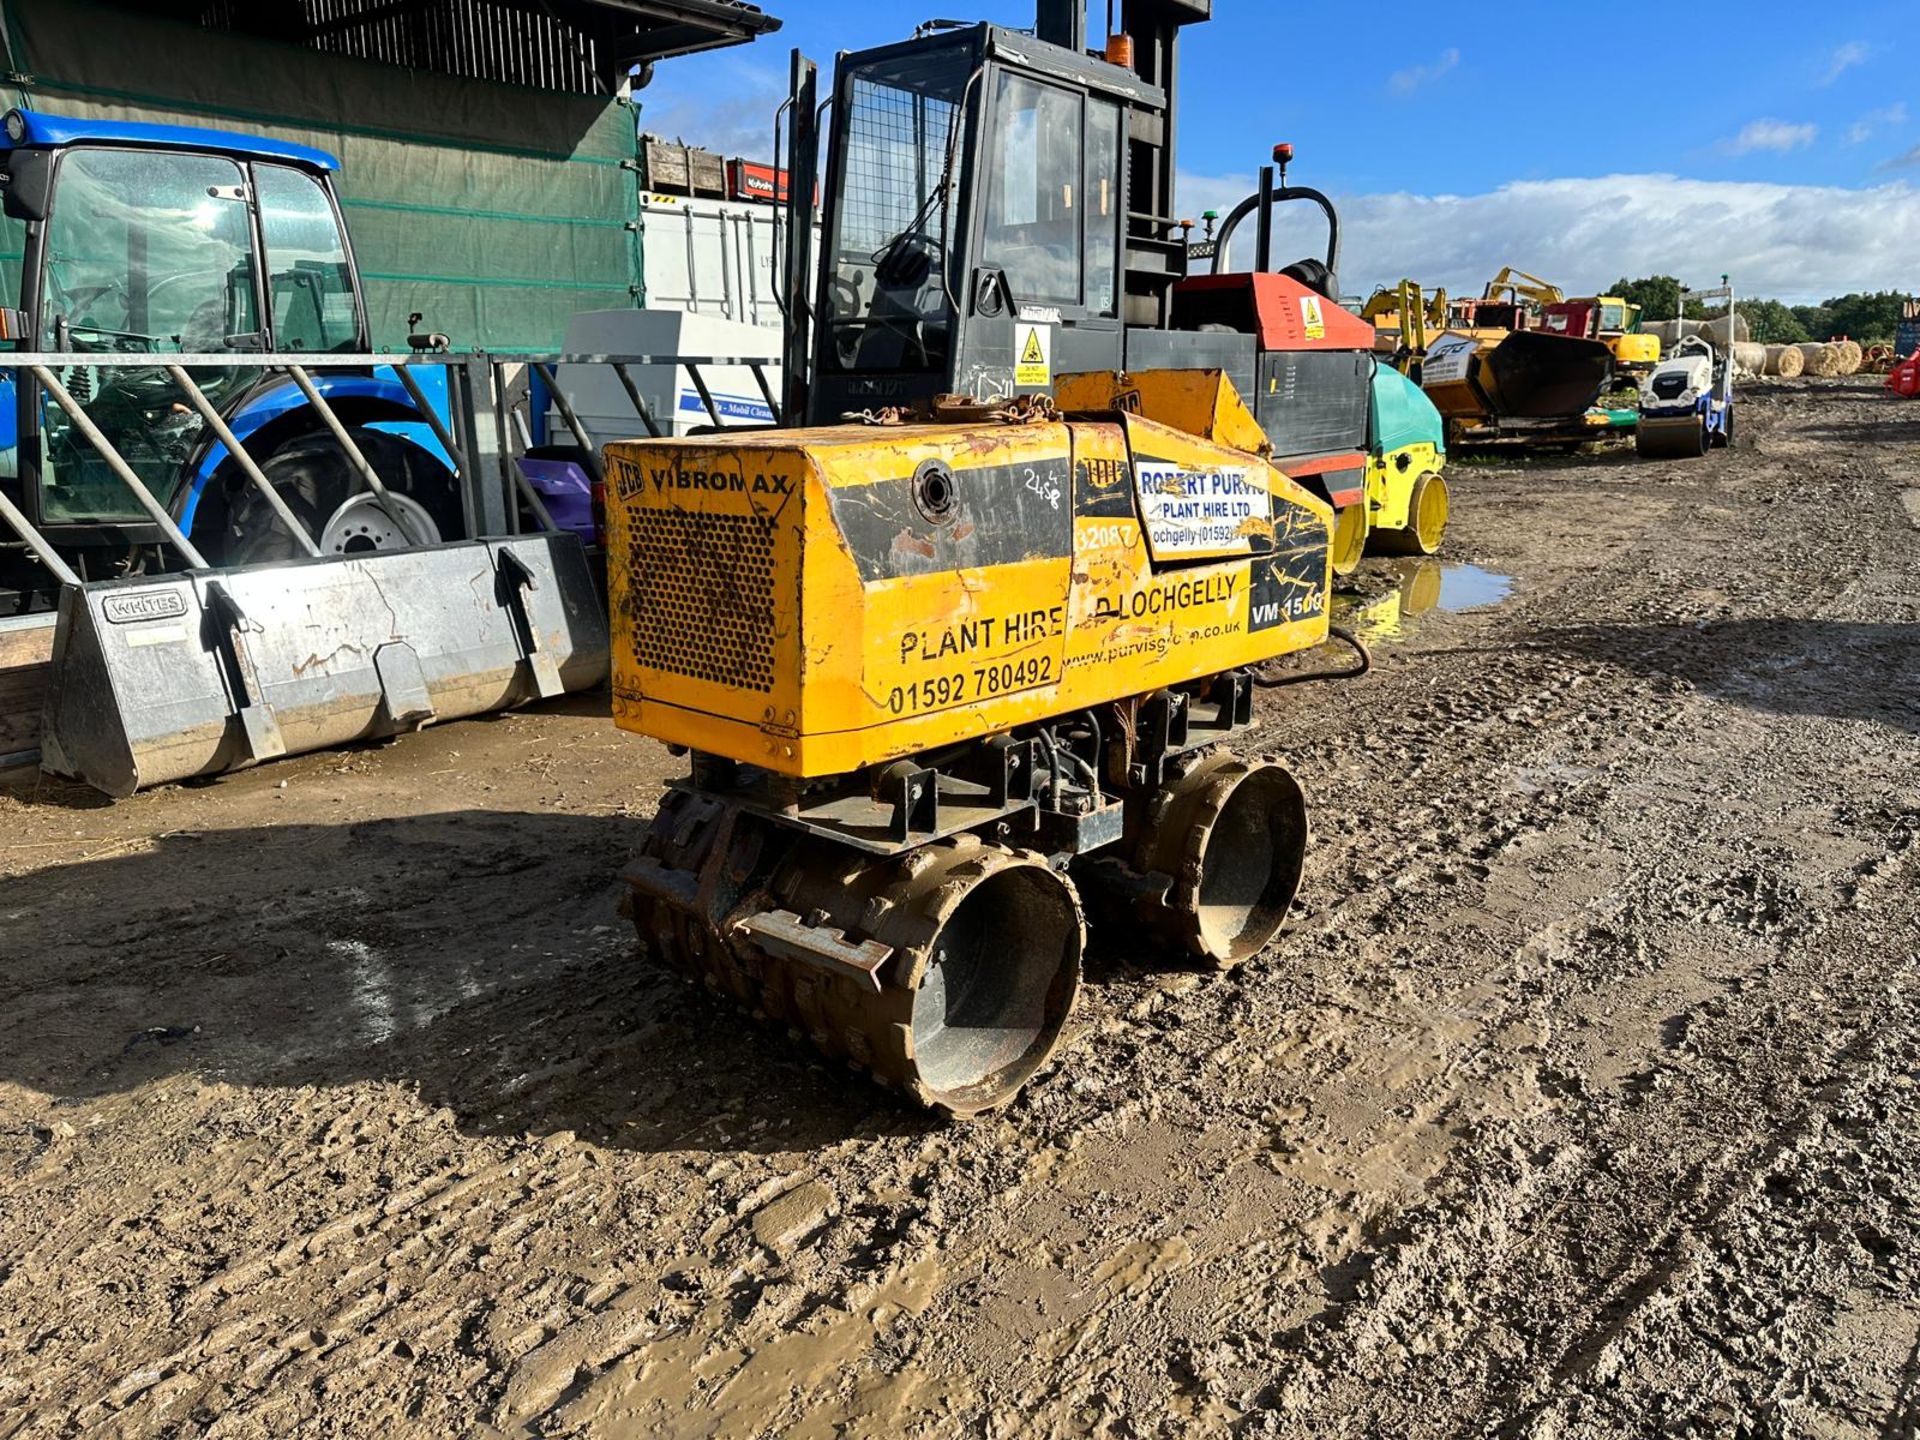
1514	375
168	677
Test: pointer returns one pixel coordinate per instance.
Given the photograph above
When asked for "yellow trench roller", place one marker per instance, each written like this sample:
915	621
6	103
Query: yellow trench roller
936	681
894	964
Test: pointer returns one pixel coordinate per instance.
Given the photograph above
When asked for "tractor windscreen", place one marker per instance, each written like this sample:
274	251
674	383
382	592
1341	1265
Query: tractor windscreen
149	252
145	253
897	220
309	279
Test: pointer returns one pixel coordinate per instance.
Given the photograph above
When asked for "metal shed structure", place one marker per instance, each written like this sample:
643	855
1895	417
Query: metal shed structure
576	46
489	149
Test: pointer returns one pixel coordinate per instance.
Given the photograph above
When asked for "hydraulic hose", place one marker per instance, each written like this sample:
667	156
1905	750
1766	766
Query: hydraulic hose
1363	664
1059	754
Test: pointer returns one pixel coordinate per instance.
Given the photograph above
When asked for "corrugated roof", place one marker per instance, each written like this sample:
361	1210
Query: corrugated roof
578	46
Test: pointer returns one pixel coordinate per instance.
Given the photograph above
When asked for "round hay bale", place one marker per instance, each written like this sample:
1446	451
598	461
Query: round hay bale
1749	357
1851	356
1786	361
1716	330
1666	331
1823	361
1672	332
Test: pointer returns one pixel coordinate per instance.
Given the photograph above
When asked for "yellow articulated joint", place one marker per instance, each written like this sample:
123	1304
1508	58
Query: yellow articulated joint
1203	403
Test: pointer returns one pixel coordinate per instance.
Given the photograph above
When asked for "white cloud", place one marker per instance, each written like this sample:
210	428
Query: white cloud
1405	82
1862	129
1201	193
1796	242
1779	135
1844	58
1903	160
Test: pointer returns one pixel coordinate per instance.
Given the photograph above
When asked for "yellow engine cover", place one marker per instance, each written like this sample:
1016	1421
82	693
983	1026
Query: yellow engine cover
1390	481
1636	349
817	601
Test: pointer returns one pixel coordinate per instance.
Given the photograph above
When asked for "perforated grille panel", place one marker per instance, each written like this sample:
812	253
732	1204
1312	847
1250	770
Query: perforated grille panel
701	588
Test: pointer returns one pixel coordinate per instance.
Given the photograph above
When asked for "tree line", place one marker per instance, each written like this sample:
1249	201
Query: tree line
1868	318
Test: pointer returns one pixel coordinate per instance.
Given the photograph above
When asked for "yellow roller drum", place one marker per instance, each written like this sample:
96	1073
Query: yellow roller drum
1428	509
1349	538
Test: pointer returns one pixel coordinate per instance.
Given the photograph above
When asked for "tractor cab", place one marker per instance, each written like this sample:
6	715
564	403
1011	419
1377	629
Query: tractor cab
206	461
163	240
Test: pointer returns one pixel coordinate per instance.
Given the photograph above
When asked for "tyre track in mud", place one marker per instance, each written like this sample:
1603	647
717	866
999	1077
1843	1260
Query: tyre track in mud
1320	1196
1460	1223
1175	1252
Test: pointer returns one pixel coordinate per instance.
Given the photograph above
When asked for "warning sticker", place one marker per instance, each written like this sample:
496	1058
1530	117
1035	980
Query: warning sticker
1034	346
1313	318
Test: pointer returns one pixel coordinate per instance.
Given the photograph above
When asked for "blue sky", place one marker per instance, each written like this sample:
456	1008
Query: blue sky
1462	137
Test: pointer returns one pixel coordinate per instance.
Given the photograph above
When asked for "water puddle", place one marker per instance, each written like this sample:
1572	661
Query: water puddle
1386	599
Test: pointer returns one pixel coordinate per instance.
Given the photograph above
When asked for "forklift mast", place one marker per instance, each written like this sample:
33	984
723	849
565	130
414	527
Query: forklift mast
998	209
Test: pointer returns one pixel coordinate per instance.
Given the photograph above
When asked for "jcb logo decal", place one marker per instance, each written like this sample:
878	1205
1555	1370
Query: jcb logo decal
1103	474
628	480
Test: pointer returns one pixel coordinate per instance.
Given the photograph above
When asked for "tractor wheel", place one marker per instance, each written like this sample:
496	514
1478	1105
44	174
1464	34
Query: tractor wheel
1428	509
326	494
1349	537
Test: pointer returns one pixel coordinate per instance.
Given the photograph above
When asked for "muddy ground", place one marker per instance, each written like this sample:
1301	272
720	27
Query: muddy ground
1579	1098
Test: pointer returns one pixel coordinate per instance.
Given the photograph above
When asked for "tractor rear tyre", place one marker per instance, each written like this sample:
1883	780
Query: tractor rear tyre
236	525
1428	509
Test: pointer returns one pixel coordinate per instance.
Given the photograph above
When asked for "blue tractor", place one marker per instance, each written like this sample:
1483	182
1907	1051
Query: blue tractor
183	242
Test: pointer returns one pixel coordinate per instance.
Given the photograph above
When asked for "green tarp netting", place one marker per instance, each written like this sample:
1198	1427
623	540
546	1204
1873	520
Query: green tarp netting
494	211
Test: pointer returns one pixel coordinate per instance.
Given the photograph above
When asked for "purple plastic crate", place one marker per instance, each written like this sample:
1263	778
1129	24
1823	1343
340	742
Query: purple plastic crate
567	491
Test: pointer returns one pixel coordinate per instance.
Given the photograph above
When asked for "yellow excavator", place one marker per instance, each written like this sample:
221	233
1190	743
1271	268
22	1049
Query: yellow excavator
1405	317
1513	299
